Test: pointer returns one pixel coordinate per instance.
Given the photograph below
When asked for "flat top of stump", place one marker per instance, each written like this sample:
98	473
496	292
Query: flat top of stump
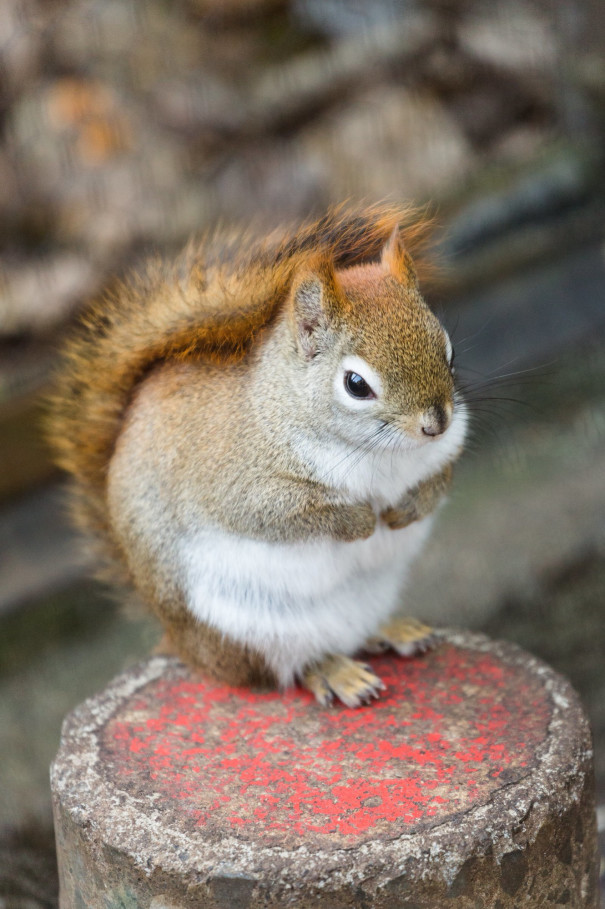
165	760
449	731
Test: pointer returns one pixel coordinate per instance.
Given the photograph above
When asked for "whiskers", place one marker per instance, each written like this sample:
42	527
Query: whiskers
381	439
494	398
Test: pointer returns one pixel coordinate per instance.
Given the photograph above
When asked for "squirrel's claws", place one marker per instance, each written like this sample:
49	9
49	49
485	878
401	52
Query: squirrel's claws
355	683
350	681
314	682
406	636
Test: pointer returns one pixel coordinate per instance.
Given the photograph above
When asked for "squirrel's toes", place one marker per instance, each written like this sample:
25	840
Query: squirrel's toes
338	676
405	635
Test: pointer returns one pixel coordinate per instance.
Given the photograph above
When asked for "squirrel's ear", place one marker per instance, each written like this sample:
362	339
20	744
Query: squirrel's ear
314	293
396	260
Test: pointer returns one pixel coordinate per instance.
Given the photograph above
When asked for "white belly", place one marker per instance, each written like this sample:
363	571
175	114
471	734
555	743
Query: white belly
296	602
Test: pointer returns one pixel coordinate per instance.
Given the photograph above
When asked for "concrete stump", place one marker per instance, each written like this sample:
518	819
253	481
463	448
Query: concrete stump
469	783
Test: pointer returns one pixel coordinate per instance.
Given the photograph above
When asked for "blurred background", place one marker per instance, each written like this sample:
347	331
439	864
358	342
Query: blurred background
126	126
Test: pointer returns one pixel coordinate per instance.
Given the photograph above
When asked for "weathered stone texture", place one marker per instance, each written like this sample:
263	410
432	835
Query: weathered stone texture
468	783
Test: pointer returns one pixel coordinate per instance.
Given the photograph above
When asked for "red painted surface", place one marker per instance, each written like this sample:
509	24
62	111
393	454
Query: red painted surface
449	730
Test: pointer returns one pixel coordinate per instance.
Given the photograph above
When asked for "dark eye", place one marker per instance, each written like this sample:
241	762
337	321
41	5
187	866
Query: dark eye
451	363
357	387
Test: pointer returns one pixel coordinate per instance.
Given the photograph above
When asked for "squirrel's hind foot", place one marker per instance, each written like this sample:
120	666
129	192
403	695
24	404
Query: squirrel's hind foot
350	681
407	636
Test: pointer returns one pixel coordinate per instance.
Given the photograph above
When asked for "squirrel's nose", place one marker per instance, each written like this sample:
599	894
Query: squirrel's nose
435	420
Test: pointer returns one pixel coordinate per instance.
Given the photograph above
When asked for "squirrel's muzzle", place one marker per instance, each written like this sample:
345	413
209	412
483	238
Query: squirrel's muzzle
436	420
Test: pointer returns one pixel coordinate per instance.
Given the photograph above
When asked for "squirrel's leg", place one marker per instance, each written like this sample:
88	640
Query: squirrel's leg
207	649
351	681
405	635
419	501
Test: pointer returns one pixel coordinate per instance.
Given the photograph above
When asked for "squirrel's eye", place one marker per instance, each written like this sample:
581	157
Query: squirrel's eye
451	363
357	387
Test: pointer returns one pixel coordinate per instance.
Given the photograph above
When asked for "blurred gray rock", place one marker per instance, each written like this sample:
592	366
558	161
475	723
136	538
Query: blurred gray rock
276	177
335	18
301	87
37	294
553	184
22	35
389	142
513	36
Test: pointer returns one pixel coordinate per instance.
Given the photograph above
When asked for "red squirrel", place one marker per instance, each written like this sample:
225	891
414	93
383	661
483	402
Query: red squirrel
258	434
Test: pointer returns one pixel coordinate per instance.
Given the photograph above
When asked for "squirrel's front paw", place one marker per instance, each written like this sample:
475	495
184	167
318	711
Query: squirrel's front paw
406	636
404	514
350	681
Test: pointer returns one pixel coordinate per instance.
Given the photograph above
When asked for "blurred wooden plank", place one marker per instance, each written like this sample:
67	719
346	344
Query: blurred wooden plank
39	552
24	458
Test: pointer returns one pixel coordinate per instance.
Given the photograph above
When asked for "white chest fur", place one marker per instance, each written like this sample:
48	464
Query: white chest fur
296	602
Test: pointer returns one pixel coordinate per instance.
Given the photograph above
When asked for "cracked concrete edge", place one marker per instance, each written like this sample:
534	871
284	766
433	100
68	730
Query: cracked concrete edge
80	793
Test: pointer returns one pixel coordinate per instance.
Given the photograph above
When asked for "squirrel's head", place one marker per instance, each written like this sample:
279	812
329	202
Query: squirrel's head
372	351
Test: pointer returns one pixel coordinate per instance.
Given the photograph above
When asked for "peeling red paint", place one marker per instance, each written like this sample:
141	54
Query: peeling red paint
438	742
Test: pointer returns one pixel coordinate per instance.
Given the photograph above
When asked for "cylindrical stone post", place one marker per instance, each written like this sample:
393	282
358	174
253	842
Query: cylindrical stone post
468	783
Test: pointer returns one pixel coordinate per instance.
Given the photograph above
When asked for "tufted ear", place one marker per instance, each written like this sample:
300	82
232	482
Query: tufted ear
396	260
315	294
